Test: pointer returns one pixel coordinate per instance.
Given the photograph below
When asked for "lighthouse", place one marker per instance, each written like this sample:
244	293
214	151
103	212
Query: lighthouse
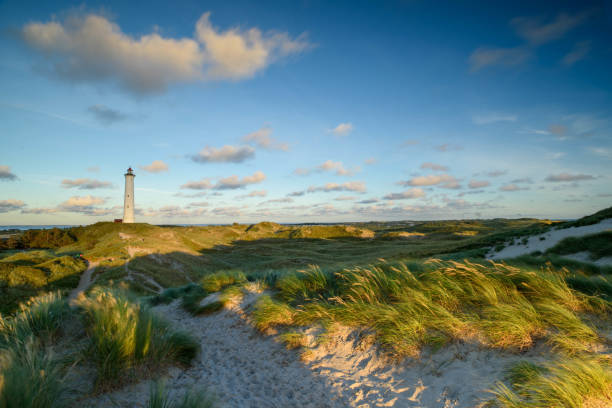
128	199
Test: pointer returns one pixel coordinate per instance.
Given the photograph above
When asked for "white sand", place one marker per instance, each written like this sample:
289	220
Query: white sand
551	238
245	368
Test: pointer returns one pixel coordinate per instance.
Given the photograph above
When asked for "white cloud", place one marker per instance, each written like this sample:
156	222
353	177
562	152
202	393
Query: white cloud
234	182
566	177
345	198
203	184
85	205
262	139
602	151
446	147
512	187
478	184
533	31
441	180
5	174
226	154
342	129
257	193
483	57
434	166
357	186
338	167
227	211
86	184
496	173
39	211
485	119
92	48
411	193
157	166
174	211
370	161
82	201
228	183
10	205
236	54
579	52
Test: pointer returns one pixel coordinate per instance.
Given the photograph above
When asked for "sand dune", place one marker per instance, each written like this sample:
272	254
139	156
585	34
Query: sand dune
245	368
551	238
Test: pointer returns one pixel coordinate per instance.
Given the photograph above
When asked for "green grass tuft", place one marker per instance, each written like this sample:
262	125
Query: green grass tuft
124	334
160	398
570	383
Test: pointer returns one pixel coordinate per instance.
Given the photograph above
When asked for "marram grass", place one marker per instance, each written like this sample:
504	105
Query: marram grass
31	376
124	334
498	305
159	397
584	382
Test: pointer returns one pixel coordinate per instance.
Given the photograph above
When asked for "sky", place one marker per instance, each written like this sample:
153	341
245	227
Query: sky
304	111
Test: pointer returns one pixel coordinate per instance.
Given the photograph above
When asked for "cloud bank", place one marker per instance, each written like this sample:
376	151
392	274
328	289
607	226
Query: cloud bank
90	48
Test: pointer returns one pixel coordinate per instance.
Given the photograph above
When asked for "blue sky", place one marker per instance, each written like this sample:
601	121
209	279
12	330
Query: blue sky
304	111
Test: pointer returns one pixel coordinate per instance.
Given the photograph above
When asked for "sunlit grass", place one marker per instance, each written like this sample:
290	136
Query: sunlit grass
501	306
569	383
124	334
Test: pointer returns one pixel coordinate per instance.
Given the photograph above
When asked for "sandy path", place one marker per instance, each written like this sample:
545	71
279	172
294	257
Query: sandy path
245	368
551	238
85	280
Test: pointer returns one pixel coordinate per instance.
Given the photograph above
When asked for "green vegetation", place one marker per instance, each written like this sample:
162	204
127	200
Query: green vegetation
589	219
30	376
432	303
45	238
125	334
373	276
598	245
27	274
159	398
570	382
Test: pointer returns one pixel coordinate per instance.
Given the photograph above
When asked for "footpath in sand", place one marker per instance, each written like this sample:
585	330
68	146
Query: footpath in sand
551	238
84	282
247	369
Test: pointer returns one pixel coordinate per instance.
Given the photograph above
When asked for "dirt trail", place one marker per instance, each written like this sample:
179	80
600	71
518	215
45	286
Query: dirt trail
85	280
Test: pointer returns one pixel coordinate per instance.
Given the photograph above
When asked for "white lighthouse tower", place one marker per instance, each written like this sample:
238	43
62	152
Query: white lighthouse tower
128	199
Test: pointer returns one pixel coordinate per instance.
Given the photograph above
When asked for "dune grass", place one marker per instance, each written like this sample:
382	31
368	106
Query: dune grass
160	398
598	245
568	383
30	375
495	304
125	335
